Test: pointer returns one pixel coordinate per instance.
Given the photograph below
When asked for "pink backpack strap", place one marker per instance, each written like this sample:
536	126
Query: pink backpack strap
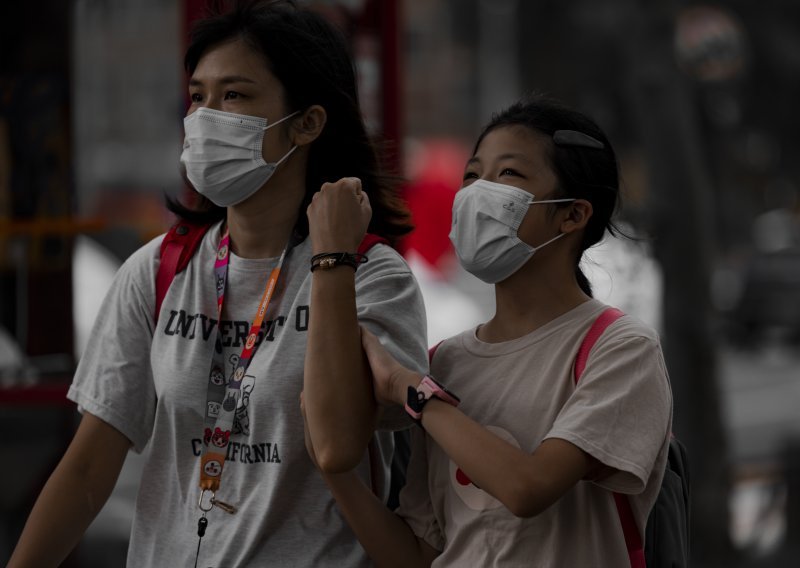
609	316
431	351
633	540
177	249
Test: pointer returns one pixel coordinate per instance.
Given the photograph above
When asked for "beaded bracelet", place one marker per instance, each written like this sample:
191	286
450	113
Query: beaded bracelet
328	260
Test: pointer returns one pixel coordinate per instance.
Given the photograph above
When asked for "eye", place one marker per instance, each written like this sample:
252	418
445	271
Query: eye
509	172
230	95
469	175
196	97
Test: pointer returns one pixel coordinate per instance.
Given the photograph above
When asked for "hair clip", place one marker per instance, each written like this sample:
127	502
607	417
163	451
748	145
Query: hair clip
575	138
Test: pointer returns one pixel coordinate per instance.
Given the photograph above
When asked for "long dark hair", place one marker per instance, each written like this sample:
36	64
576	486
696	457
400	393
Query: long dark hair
583	172
310	58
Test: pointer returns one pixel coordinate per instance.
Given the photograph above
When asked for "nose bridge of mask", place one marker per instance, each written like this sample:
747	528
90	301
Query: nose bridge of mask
504	203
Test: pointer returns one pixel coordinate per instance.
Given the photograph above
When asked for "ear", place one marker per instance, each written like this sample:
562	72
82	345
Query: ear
307	127
577	217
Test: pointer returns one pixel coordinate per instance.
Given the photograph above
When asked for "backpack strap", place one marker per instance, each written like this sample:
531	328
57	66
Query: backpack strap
369	241
431	351
177	248
633	540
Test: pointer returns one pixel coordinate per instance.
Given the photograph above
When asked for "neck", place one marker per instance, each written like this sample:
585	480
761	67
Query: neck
261	226
530	298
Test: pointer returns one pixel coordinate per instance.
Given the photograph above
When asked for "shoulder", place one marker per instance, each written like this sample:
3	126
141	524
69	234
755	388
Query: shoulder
383	260
631	326
141	266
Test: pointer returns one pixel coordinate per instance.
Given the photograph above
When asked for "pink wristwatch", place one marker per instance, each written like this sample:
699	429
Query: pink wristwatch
428	387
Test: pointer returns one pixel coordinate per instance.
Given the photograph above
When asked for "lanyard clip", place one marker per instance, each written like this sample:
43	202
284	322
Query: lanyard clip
201	505
212	501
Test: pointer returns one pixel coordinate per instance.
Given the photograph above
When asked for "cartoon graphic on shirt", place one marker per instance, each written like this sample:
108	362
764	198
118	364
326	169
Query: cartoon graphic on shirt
470	494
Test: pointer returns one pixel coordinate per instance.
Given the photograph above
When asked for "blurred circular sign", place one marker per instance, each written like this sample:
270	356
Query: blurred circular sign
710	43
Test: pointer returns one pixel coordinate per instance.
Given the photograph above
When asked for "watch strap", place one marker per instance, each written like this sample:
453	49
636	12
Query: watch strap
428	388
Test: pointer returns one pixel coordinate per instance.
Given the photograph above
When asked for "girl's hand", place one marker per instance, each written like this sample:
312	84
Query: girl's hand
390	379
338	216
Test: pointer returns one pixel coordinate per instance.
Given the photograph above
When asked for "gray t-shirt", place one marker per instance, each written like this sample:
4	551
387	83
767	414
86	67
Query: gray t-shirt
150	384
524	392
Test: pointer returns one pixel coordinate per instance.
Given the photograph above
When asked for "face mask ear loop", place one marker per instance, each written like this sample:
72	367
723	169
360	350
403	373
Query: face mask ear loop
558	236
533	201
285	156
276	123
289	153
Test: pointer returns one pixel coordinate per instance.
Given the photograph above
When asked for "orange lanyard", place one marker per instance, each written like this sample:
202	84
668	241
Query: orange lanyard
216	445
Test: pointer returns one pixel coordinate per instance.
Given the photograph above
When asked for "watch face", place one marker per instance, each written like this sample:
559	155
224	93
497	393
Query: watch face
416	399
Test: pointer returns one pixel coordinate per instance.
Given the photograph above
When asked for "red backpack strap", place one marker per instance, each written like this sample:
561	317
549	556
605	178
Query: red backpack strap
633	540
370	240
177	248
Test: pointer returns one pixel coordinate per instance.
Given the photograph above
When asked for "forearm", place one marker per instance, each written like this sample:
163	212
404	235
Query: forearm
526	483
70	500
387	539
340	406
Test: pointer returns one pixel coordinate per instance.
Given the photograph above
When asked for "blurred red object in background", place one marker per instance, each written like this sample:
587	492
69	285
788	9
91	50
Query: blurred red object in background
435	172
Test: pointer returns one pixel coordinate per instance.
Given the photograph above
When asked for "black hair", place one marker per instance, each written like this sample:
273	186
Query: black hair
582	172
310	58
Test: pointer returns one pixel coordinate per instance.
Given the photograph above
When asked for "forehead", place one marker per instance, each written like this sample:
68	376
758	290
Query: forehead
233	57
518	141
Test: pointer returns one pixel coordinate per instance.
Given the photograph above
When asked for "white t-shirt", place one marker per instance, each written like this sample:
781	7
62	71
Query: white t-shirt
151	385
523	390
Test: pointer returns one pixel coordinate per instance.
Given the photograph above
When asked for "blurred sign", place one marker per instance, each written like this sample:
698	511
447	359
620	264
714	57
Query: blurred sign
710	44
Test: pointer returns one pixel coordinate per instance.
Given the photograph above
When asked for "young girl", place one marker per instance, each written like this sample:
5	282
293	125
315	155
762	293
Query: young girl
521	471
276	146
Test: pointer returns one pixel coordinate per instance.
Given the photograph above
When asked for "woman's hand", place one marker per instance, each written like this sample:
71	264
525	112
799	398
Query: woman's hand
390	379
338	216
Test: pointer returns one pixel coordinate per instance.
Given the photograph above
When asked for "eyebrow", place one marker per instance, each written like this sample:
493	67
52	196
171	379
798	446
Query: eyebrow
507	156
224	80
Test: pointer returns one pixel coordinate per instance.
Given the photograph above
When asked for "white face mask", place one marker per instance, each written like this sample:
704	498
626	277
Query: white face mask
222	154
486	218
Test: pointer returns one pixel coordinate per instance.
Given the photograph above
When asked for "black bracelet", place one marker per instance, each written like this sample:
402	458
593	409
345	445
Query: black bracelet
330	259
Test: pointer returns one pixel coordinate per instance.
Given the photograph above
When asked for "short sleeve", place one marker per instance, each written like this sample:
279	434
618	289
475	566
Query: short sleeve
390	305
416	508
114	379
620	412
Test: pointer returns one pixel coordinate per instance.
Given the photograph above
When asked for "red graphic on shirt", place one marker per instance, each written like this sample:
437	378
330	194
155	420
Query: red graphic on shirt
462	478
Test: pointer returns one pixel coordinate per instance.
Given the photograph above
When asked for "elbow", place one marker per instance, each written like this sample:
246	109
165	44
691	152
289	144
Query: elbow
336	460
523	508
524	501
